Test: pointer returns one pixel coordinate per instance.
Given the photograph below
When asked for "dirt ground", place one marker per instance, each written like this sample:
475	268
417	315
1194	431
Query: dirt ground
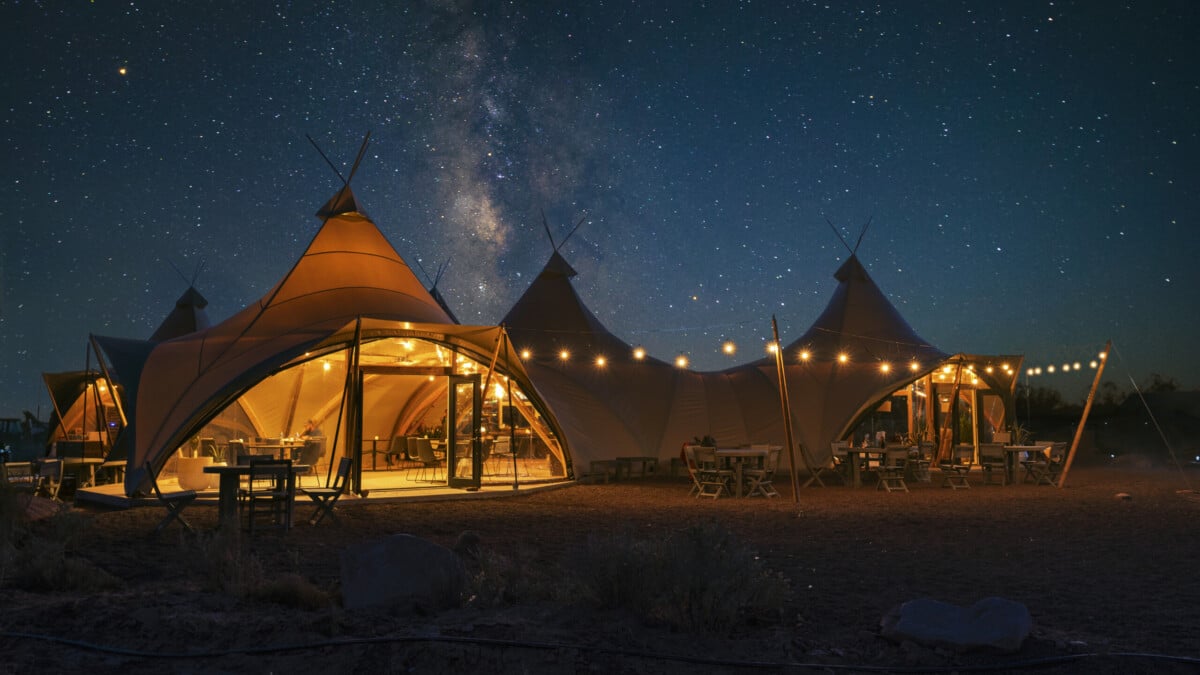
1102	575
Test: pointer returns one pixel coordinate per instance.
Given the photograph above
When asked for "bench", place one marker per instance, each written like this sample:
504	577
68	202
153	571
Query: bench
646	465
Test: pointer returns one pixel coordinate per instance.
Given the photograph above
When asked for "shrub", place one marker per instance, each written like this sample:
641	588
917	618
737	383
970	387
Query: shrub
700	579
41	557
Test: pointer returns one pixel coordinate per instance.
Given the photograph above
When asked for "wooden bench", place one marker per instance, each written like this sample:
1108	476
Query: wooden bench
646	465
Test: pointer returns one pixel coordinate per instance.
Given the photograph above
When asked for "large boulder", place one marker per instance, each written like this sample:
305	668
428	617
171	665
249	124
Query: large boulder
994	623
401	571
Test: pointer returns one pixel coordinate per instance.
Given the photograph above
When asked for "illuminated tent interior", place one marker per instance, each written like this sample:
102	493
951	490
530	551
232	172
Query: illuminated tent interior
860	369
282	360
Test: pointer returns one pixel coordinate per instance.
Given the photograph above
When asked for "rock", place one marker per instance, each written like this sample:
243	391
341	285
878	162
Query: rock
401	570
990	623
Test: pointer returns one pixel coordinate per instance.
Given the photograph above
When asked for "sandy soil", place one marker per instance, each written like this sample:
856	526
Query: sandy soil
1100	574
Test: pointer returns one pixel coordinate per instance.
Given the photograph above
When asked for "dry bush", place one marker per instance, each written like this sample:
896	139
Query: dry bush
226	564
41	556
699	580
495	580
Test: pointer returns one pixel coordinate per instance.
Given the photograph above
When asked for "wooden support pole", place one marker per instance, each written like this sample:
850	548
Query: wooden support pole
1087	408
787	412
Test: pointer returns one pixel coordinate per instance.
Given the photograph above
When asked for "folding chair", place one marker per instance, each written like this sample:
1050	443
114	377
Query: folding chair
174	502
326	497
49	478
689	458
956	469
760	480
713	480
993	463
1045	468
891	471
271	484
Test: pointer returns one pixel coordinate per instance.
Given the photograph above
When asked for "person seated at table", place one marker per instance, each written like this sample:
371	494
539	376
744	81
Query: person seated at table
311	430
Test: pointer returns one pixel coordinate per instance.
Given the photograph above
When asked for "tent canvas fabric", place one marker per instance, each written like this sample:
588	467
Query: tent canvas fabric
627	406
348	271
859	322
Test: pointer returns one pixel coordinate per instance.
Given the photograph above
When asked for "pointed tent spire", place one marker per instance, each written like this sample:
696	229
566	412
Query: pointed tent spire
342	202
187	317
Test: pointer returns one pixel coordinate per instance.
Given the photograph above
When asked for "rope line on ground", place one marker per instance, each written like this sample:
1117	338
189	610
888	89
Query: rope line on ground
519	644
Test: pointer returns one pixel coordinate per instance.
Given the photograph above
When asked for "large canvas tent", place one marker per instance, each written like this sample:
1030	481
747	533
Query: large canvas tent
349	289
613	401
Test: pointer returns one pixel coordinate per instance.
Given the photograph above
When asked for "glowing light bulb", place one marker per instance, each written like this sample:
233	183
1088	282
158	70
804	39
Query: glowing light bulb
772	347
601	361
639	353
914	366
525	354
729	348
805	355
681	361
843	358
885	367
564	355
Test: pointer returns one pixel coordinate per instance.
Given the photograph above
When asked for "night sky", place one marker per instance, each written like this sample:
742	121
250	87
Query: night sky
1028	169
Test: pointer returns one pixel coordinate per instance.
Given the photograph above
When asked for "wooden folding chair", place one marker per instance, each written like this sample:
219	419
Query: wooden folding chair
761	481
956	469
174	502
891	470
714	481
272	485
994	464
49	478
326	497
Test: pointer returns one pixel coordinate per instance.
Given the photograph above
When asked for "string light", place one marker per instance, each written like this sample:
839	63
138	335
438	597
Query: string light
526	354
564	355
729	348
805	355
601	361
885	367
681	361
843	358
914	366
639	353
772	347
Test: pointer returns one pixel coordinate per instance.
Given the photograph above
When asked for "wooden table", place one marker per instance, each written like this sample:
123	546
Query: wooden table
856	456
280	450
80	466
231	481
737	457
1012	454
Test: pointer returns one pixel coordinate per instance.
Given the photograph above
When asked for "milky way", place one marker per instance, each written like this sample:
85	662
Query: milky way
1028	170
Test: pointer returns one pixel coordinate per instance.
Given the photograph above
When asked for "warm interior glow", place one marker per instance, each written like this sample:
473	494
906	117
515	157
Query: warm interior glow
325	365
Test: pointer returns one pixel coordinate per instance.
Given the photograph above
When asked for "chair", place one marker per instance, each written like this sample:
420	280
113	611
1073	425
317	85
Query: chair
48	480
502	453
238	452
271	484
839	452
310	455
993	463
173	502
326	497
891	470
923	459
1046	467
713	479
956	469
20	475
427	459
689	459
398	451
760	480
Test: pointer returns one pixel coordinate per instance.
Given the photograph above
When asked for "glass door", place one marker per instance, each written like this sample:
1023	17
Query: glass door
464	464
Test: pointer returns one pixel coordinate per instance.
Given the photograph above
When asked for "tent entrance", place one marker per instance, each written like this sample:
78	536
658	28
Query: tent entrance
464	457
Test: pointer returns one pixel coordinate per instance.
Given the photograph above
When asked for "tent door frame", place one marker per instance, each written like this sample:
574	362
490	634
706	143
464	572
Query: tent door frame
470	481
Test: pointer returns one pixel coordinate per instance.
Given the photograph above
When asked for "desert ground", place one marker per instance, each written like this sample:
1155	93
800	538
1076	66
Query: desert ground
1107	566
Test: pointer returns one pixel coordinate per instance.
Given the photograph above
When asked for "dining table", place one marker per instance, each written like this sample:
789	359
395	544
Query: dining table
737	458
279	448
230	482
1012	457
856	457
